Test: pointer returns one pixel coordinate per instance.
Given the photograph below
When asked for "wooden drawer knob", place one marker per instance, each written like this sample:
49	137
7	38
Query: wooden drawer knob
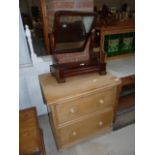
72	110
74	133
100	123
101	101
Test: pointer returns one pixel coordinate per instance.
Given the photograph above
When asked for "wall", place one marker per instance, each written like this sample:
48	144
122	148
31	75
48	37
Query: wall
24	55
29	87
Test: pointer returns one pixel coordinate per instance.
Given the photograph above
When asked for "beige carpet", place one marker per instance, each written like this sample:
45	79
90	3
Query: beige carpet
119	142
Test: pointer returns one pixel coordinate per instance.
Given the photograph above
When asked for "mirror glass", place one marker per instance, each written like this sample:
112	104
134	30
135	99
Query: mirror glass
71	32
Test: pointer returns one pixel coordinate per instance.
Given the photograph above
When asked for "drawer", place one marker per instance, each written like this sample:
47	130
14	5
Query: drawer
72	133
74	109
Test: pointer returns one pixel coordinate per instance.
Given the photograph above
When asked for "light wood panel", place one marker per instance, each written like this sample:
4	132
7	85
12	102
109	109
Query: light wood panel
30	134
118	28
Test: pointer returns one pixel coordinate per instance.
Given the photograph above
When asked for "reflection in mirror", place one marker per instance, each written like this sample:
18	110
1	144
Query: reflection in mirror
75	27
71	31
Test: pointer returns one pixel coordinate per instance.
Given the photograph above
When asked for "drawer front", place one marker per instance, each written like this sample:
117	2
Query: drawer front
88	104
72	133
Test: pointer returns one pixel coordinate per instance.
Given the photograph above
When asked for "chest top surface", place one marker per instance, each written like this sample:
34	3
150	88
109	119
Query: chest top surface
75	86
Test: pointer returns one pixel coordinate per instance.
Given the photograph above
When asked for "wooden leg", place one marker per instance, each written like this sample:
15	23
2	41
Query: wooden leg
119	88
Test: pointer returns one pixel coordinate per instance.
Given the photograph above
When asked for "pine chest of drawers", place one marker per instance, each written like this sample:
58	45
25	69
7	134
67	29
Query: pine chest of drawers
81	107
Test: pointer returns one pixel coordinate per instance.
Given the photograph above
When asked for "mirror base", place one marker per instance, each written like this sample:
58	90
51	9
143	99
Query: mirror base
62	71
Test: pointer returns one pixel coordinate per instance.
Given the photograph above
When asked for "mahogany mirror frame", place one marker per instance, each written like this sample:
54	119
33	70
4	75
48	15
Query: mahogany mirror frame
56	28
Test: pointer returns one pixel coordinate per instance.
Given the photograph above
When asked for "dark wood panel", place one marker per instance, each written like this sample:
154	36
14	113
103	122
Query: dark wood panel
126	101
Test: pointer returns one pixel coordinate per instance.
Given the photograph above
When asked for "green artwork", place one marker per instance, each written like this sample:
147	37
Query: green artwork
117	44
113	46
127	44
